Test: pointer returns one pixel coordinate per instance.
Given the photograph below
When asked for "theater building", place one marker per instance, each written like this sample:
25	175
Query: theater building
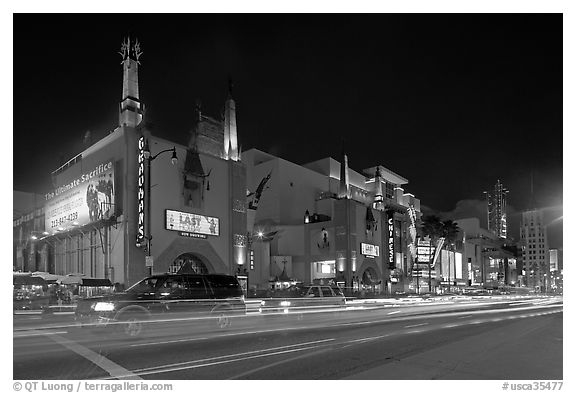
134	203
323	222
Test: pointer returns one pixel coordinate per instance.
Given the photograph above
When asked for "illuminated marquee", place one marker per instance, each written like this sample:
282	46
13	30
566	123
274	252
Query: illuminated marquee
370	250
391	262
140	229
192	223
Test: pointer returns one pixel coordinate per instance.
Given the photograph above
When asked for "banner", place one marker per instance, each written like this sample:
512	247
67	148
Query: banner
89	198
192	223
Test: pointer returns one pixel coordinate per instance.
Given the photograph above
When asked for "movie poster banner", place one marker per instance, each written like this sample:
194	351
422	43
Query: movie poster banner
89	198
192	223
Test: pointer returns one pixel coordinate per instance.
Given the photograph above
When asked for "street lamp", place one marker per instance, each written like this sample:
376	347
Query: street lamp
149	158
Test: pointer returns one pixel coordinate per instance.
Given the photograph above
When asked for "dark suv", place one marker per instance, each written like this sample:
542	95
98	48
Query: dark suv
213	297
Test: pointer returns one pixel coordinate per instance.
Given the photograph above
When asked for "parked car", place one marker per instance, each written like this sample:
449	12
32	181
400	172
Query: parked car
179	296
299	299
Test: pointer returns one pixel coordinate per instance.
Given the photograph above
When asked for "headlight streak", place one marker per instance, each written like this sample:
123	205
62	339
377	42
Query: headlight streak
314	345
256	314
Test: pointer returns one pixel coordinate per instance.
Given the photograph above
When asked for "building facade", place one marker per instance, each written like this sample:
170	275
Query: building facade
122	209
323	222
489	261
553	258
496	209
535	252
28	226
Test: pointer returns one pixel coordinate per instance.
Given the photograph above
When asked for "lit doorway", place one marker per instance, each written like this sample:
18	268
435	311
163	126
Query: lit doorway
188	263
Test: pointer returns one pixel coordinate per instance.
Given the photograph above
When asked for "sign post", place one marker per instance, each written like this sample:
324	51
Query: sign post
425	254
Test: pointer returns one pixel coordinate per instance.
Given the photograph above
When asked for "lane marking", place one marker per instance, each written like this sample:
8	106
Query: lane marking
189	366
419	324
220	336
35	333
115	370
234	355
393	312
169	342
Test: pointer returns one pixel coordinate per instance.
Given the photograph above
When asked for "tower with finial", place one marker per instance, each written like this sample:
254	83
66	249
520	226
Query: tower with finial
230	130
131	110
378	192
344	189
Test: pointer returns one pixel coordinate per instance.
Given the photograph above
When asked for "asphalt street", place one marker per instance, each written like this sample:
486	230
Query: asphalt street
492	338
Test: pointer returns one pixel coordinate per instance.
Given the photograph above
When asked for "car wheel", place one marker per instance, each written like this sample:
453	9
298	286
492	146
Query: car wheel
132	324
223	319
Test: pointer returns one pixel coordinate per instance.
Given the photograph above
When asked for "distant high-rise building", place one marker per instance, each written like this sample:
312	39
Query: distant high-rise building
534	242
553	260
497	210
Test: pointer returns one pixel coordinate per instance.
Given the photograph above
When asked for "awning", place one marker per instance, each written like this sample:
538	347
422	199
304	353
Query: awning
96	282
28	280
85	281
48	277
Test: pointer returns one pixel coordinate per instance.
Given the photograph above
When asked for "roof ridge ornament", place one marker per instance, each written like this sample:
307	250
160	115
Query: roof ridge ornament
128	50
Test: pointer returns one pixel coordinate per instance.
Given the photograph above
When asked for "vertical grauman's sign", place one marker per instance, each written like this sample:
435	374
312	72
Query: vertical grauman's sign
140	228
391	262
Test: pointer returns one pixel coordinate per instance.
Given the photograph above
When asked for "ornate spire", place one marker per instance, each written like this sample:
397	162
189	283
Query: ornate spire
131	112
378	194
230	131
344	191
130	50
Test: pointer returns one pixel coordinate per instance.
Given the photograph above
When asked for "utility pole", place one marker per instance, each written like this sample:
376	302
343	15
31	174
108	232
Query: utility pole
449	277
417	276
430	257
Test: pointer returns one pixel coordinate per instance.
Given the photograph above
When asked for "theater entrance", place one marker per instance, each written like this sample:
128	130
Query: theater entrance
188	263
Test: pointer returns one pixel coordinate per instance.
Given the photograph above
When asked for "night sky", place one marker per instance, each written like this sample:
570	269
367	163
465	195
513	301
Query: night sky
450	102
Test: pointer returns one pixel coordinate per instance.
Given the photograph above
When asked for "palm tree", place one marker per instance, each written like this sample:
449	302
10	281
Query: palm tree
435	228
450	231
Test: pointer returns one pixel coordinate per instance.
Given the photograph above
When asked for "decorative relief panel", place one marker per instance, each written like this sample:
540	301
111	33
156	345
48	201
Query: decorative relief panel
239	240
239	206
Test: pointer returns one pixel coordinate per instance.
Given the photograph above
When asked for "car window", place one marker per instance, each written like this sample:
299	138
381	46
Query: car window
174	284
337	291
314	292
326	292
147	285
224	286
197	288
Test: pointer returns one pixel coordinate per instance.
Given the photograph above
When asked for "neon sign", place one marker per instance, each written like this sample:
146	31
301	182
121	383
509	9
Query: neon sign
391	262
140	228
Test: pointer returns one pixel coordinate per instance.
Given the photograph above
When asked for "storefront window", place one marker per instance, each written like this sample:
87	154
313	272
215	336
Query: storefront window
323	269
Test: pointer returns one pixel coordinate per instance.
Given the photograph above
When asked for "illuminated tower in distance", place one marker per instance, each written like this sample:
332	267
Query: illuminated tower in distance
496	210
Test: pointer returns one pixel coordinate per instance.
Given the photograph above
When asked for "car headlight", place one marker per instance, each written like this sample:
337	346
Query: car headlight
284	303
104	306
